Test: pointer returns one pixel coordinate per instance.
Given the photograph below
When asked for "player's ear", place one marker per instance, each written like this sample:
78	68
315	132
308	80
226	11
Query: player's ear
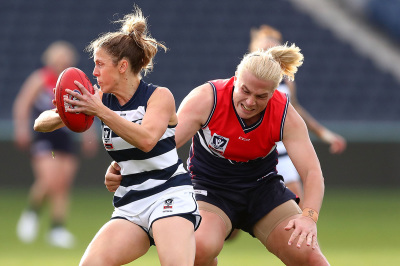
123	65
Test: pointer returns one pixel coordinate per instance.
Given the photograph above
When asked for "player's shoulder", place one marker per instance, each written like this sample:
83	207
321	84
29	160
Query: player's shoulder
280	97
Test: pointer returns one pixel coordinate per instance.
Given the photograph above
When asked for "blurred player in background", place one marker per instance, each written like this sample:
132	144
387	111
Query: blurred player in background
53	155
264	38
155	203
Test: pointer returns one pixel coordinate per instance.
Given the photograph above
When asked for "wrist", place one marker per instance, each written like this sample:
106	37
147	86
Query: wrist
310	213
327	136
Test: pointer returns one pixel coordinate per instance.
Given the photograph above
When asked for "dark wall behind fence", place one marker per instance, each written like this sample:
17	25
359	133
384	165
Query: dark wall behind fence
363	164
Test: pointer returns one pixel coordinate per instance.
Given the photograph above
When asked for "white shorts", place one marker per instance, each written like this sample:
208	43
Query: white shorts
172	203
285	166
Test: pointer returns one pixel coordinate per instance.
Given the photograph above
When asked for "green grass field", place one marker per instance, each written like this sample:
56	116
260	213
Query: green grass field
355	228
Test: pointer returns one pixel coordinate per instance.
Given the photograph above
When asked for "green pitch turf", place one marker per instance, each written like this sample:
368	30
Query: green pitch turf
356	227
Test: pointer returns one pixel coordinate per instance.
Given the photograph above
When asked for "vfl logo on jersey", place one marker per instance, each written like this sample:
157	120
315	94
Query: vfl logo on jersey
168	205
218	143
107	139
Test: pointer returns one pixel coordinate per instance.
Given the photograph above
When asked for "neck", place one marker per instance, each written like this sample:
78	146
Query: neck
251	120
128	87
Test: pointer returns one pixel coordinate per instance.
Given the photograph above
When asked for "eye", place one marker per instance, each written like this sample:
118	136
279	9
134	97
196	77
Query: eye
245	91
264	96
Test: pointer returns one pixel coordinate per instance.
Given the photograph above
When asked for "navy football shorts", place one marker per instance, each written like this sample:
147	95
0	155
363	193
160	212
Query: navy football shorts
244	207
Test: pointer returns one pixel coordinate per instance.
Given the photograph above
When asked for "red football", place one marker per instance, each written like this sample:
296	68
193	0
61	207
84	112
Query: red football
78	122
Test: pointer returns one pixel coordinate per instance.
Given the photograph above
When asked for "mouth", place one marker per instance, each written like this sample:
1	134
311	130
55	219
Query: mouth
246	108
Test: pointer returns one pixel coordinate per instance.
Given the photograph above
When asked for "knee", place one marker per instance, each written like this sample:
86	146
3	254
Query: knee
306	258
316	258
92	260
206	252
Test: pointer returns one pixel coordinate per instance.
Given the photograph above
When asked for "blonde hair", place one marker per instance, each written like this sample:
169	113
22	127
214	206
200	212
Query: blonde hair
132	41
264	31
273	64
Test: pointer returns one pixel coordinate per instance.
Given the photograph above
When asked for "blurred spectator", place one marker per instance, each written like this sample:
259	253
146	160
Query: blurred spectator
265	37
53	155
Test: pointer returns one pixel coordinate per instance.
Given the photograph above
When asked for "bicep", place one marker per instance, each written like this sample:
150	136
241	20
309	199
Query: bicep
193	113
298	143
159	112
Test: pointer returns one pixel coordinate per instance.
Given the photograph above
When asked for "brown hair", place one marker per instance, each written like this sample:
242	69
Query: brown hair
132	41
273	64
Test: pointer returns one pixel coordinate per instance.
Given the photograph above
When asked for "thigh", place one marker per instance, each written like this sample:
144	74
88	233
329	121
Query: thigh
215	226
55	173
118	242
174	239
277	243
263	228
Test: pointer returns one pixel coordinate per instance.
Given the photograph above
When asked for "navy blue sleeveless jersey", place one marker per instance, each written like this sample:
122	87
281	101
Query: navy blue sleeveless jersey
144	174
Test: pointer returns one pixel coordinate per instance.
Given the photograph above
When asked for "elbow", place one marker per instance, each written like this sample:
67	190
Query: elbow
40	127
147	145
323	182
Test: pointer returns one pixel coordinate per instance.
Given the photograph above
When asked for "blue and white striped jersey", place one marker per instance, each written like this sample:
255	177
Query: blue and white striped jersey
145	175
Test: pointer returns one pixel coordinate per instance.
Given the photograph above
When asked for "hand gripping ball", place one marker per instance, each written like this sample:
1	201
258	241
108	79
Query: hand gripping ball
77	122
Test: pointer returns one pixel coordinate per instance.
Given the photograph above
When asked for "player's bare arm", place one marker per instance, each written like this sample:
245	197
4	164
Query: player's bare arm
48	121
160	111
193	113
22	109
298	145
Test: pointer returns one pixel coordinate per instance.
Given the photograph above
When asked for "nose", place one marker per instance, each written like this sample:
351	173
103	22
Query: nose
96	72
250	101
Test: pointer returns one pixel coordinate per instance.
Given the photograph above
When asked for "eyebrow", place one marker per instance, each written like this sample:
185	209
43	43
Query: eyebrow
262	95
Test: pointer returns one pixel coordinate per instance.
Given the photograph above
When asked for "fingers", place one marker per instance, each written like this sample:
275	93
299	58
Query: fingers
111	186
302	237
338	144
112	181
115	165
310	238
290	225
337	147
80	86
76	102
113	177
303	232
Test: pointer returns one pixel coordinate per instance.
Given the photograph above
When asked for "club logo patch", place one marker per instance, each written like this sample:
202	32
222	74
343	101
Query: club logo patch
168	205
107	139
218	143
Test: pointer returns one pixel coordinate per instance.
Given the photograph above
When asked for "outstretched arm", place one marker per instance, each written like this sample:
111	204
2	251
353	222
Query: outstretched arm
22	109
337	143
48	121
304	158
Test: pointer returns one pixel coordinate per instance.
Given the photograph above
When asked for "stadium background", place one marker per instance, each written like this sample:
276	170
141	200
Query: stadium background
349	81
340	84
